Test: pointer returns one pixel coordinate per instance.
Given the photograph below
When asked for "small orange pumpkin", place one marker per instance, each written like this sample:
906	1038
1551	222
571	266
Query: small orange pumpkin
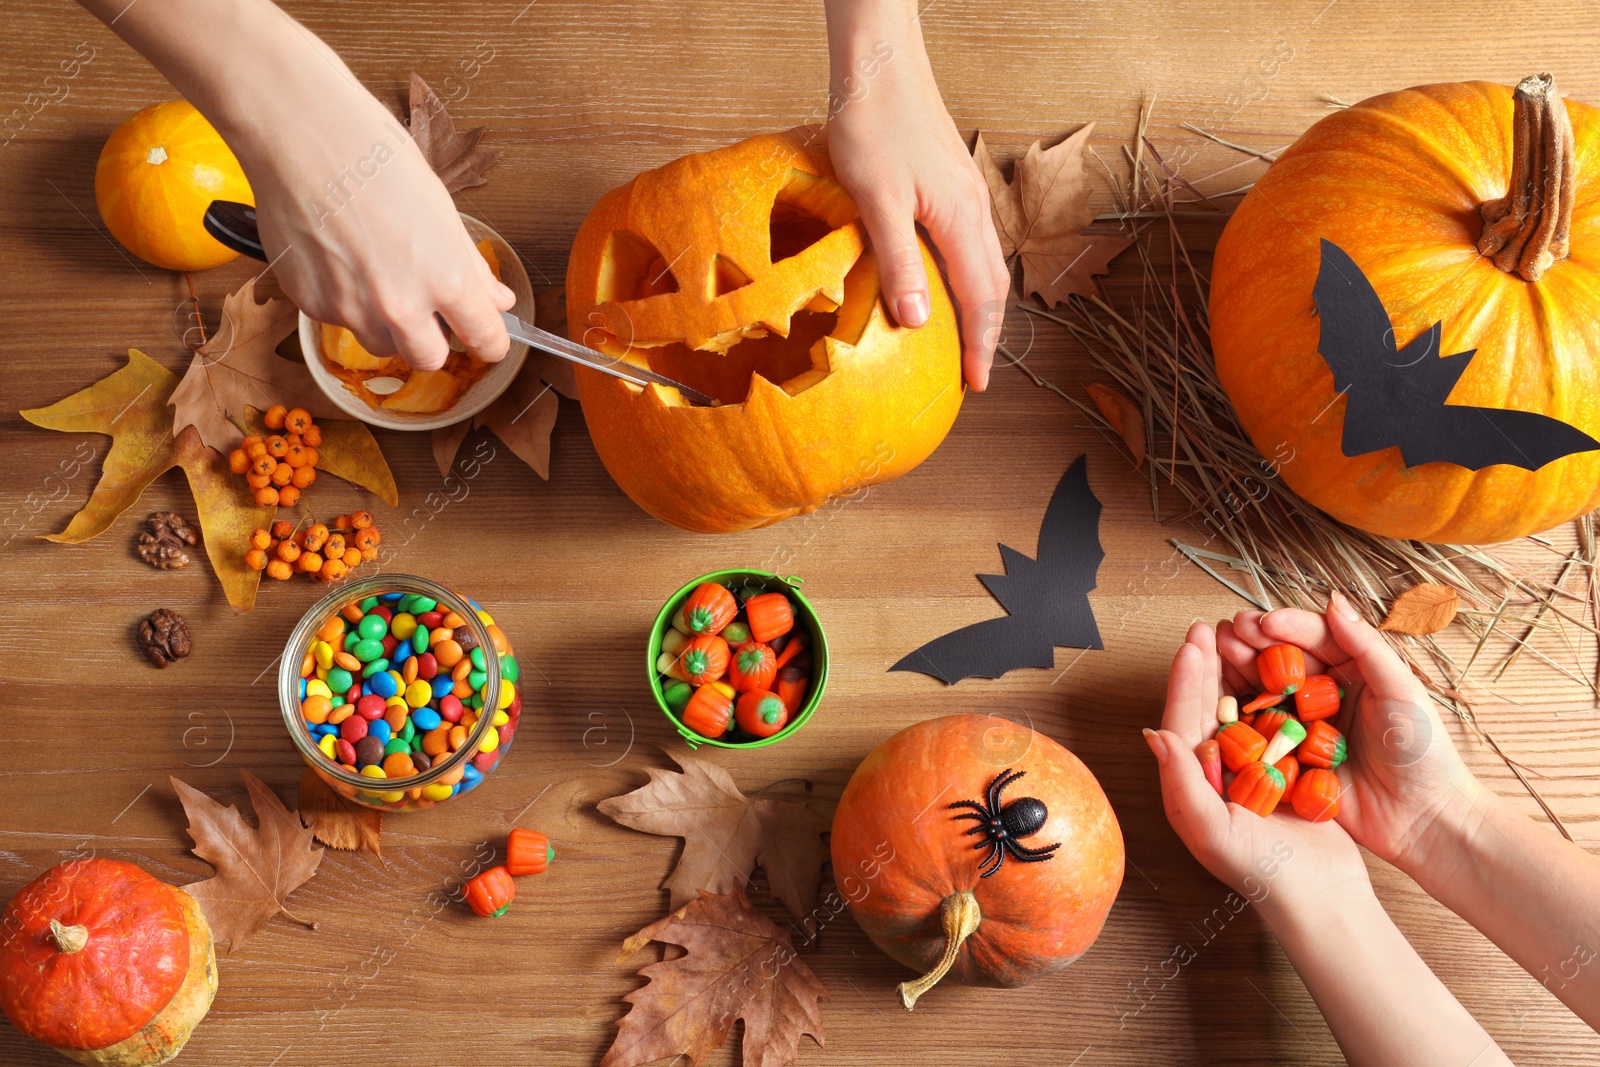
106	964
745	273
1422	188
907	866
157	174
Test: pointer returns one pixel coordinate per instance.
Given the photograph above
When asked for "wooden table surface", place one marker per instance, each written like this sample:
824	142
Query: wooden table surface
580	98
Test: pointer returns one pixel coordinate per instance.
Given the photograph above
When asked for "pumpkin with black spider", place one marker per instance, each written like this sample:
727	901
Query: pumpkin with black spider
921	890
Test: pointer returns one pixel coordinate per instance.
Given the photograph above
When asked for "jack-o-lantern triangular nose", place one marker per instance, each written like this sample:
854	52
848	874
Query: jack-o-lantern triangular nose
726	276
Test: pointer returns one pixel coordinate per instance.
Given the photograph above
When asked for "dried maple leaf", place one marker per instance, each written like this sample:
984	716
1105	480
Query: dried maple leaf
525	413
130	405
726	834
737	965
337	822
1423	609
257	867
238	368
1118	409
1040	216
455	157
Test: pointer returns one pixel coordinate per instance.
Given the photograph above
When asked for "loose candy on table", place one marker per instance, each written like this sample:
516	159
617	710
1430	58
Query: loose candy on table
528	852
490	893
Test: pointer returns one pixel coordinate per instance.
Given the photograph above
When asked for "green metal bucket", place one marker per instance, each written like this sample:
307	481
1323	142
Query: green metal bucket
805	615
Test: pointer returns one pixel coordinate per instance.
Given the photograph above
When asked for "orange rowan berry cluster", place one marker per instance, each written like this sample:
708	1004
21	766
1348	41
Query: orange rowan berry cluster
282	464
328	552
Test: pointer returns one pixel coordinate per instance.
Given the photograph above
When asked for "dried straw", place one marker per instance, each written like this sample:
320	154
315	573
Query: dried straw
1260	540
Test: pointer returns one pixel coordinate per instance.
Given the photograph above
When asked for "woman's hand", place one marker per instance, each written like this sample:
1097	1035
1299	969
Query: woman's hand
362	233
1282	856
896	149
359	230
1404	783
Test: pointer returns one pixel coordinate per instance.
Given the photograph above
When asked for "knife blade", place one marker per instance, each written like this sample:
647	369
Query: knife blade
556	345
234	225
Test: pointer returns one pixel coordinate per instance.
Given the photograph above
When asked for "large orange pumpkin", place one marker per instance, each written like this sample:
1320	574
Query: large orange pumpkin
1404	183
106	964
910	852
745	273
157	174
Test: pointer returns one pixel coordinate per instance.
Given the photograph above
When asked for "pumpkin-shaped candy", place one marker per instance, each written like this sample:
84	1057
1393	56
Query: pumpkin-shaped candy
106	964
1467	207
975	847
745	273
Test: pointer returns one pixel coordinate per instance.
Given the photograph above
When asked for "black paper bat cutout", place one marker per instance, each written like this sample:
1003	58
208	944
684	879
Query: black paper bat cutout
1397	398
1047	597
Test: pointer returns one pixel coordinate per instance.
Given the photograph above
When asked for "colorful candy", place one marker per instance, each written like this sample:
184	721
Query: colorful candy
736	672
1318	698
1272	752
1316	796
379	700
1240	745
1258	788
491	892
527	852
1210	754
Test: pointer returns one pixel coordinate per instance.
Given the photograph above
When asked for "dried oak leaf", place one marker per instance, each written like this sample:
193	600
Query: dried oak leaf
455	157
1124	416
738	965
525	413
239	368
130	404
337	822
257	867
1040	216
1421	610
726	834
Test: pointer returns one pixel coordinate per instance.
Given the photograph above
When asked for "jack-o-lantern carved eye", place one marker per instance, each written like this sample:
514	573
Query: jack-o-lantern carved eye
806	209
633	269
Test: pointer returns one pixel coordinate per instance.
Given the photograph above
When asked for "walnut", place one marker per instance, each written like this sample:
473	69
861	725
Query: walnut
162	541
164	637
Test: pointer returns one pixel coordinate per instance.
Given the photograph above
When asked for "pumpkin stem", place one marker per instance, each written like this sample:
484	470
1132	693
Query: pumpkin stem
68	939
1525	231
960	914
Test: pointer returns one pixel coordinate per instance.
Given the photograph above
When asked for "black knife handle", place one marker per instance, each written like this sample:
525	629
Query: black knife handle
234	224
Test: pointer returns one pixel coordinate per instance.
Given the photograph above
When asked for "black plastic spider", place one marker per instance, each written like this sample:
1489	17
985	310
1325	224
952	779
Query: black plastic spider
1003	825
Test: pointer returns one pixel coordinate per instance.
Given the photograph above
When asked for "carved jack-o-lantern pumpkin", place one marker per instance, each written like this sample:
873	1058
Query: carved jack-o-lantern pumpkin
745	273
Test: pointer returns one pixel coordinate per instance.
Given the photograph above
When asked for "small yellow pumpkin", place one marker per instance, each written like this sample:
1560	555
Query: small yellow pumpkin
157	174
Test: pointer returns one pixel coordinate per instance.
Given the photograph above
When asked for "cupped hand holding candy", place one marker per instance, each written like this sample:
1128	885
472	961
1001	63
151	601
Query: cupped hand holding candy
1279	858
1403	781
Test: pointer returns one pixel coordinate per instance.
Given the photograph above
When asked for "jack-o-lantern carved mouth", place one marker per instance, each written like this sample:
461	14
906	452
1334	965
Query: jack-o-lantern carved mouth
772	309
